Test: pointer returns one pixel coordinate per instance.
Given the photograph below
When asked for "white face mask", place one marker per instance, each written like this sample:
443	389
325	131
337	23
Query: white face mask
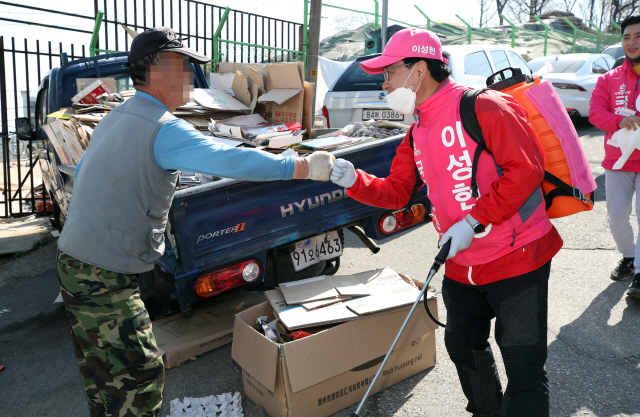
403	99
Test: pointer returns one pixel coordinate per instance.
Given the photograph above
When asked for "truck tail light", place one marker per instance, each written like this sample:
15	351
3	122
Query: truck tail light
401	219
325	114
227	278
567	86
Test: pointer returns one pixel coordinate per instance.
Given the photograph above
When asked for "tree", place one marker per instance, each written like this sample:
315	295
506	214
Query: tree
347	21
525	10
500	5
621	9
485	16
570	4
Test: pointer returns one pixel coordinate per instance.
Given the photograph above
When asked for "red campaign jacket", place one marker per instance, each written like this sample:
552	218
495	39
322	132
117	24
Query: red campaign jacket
522	162
615	90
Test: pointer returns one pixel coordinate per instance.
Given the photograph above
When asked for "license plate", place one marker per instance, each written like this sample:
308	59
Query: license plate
382	115
318	248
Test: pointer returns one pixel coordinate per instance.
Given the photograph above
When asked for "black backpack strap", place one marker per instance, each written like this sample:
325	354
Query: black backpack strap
563	189
419	183
472	127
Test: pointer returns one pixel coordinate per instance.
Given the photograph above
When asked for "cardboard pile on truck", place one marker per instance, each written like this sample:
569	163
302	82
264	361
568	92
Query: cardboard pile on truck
314	347
264	106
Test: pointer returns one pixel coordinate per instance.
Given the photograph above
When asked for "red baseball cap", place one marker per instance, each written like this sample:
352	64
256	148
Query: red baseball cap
407	43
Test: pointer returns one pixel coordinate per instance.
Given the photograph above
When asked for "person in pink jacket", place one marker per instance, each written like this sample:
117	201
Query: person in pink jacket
614	105
502	241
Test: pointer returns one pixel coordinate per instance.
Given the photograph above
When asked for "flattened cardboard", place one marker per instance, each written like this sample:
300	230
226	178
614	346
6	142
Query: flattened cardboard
323	303
240	87
282	141
217	100
221	81
305	290
348	285
299	362
298	317
279	96
257	76
208	327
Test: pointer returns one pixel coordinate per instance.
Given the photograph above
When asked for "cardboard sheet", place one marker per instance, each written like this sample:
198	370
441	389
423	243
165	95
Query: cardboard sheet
348	285
240	87
209	326
279	96
323	303
217	100
297	317
305	290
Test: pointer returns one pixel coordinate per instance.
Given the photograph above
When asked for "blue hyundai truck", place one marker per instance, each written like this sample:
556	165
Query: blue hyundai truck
230	234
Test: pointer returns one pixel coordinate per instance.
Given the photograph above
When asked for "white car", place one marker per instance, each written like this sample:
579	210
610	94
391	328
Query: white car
356	96
574	77
614	51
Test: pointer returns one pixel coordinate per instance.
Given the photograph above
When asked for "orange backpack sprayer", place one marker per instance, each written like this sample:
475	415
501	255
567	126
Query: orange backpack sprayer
568	183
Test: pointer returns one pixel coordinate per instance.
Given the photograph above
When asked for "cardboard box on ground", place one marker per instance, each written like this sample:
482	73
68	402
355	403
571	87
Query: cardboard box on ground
332	368
326	372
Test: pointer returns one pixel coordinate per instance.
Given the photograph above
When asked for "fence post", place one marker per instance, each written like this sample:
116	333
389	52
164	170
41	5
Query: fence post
425	16
96	32
4	135
575	33
598	41
376	2
216	37
513	30
468	29
546	33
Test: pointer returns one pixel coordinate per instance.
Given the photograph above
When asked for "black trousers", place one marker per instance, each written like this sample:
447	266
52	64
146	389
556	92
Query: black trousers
519	305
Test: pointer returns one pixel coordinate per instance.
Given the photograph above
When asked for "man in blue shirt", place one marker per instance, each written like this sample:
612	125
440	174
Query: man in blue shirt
118	213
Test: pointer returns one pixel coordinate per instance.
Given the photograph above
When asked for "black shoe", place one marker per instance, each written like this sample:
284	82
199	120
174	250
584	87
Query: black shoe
624	270
634	289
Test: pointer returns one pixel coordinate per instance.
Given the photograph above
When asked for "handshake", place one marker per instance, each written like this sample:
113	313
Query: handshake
324	167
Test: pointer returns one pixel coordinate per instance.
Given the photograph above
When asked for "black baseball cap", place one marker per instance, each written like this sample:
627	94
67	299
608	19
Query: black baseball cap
161	39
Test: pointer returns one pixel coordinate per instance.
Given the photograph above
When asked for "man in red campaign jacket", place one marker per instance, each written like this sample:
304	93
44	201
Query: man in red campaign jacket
501	243
614	104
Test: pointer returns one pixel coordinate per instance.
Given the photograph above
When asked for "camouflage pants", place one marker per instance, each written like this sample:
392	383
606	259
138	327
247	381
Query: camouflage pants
120	365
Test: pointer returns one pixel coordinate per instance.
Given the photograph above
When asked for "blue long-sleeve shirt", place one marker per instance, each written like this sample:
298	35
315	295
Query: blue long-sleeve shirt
179	146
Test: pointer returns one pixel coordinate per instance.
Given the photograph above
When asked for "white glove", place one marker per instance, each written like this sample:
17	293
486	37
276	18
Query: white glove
343	173
461	235
320	164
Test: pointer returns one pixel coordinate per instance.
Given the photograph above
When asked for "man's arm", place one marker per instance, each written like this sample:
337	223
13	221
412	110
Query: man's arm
511	140
601	115
178	146
392	192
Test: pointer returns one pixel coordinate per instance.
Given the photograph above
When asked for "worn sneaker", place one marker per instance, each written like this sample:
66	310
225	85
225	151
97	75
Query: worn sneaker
624	270
634	289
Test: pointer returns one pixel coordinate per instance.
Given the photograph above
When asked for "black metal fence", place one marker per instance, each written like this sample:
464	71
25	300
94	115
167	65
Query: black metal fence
25	62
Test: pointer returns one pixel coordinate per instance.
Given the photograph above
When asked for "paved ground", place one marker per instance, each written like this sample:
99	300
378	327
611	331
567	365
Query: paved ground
594	353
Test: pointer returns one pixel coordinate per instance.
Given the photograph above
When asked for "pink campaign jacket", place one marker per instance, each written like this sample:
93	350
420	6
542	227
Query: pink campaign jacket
615	90
443	152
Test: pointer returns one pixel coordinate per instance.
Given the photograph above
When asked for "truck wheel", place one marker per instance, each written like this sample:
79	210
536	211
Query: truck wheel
158	292
331	267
